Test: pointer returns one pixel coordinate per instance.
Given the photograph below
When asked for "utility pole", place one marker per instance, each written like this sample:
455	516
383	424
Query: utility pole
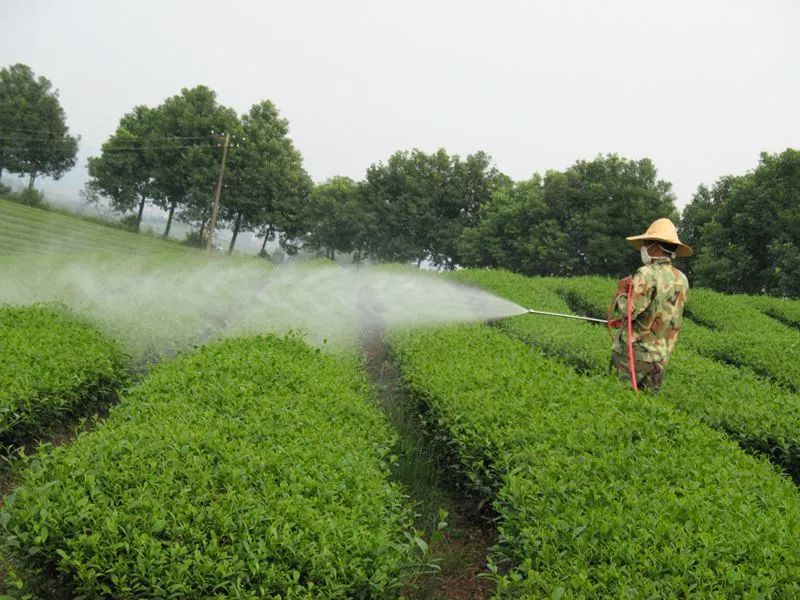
215	209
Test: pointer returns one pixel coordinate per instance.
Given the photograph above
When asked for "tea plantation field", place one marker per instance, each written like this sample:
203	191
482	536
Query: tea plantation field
261	466
27	230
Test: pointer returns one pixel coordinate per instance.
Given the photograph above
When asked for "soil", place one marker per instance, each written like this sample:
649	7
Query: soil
461	548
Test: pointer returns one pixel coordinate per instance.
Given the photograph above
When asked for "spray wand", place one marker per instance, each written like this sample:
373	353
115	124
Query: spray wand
530	311
608	322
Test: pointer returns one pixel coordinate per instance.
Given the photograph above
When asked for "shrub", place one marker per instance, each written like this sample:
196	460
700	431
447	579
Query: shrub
51	363
759	415
601	493
252	468
194	239
29	197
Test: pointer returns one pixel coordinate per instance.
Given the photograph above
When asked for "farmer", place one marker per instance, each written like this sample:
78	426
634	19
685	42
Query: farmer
659	293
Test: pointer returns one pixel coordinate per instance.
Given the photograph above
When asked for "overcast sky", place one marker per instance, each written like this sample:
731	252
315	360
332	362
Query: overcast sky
700	87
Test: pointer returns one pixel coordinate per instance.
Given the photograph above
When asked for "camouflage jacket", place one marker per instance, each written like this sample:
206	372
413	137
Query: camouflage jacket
659	293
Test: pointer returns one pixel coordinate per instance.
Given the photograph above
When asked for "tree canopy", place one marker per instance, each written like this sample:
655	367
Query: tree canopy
571	222
419	204
266	182
34	137
746	229
170	155
124	171
336	218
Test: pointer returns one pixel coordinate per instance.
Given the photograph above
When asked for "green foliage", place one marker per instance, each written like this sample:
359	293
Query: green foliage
419	204
733	329
124	170
51	364
253	468
26	230
785	310
34	137
760	415
266	185
194	239
28	197
746	229
517	232
601	493
170	156
337	218
572	222
187	162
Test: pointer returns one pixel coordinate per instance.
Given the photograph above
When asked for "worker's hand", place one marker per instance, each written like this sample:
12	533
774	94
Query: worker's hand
622	284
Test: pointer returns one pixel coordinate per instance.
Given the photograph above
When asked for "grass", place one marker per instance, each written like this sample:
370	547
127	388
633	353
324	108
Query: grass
29	230
460	534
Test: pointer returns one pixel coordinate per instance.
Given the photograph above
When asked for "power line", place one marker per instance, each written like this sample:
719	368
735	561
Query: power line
44	135
126	149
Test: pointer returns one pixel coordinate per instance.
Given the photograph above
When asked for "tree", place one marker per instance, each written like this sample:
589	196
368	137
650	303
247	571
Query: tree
699	214
517	232
572	222
472	182
336	218
399	207
748	231
34	137
124	170
421	203
266	184
186	159
598	203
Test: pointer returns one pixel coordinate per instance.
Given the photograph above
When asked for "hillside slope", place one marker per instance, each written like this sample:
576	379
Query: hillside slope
28	230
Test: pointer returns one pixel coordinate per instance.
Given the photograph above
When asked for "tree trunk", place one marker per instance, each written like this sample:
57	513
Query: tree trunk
141	210
1	172
419	263
169	219
203	222
31	180
236	227
267	235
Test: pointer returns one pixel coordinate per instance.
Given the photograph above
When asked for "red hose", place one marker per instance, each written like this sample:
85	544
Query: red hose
630	336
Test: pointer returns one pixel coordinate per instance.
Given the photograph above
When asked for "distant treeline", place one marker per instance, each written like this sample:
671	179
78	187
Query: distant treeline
439	209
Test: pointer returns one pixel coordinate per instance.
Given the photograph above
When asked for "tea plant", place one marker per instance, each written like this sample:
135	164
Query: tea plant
252	468
51	364
761	416
601	493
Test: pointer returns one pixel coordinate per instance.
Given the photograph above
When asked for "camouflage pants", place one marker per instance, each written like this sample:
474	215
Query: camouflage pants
649	375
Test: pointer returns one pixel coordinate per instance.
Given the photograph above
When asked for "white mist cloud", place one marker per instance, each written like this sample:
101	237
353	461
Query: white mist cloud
158	306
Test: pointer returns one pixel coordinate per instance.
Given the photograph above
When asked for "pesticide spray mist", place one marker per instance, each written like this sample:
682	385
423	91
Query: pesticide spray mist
158	306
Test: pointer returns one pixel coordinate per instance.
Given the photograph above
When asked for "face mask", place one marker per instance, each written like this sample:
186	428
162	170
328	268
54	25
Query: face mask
646	258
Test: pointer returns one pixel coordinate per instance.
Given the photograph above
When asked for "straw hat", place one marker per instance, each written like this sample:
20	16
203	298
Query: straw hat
661	230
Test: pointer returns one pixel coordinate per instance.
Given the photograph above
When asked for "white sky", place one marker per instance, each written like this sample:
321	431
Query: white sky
701	87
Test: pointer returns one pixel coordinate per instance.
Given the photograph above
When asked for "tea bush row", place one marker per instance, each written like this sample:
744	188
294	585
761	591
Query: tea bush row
759	415
252	468
738	329
51	364
601	493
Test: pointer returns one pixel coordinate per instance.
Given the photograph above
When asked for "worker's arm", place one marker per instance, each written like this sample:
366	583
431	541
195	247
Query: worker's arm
619	306
642	294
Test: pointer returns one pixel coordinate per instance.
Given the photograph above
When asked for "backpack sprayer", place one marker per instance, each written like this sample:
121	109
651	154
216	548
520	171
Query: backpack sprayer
609	323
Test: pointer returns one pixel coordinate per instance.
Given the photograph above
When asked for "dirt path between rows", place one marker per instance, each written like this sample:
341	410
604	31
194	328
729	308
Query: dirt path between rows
460	548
